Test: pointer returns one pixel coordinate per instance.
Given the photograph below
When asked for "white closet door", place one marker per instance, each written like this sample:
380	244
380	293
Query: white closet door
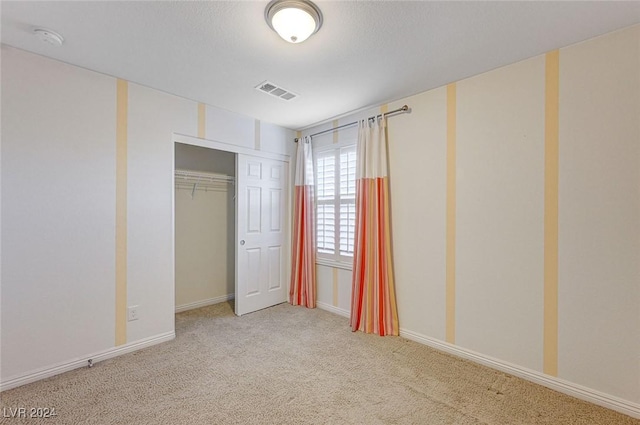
261	233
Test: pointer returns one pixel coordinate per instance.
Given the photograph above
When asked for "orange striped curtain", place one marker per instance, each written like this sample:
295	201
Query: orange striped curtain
302	290
373	297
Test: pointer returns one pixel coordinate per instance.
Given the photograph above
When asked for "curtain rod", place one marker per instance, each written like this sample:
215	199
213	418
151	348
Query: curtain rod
405	108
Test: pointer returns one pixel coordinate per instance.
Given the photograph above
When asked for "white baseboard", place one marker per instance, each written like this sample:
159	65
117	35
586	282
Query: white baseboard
333	309
83	361
557	384
560	385
204	303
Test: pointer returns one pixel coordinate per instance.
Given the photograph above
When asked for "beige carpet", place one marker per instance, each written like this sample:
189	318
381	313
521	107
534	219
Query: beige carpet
291	365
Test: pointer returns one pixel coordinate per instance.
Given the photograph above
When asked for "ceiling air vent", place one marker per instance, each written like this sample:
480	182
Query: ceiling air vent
273	90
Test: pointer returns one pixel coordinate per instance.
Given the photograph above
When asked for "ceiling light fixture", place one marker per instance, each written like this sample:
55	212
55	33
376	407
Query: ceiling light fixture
293	20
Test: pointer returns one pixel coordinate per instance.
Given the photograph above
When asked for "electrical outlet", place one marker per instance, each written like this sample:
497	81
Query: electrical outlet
132	313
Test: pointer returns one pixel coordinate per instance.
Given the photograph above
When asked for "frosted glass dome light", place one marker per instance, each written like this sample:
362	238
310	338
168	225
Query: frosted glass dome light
293	20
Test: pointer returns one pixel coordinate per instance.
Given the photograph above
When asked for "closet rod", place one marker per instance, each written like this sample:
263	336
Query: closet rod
201	177
405	108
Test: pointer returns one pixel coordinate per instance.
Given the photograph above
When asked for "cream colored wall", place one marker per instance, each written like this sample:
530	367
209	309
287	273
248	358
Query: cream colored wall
203	268
59	192
499	223
599	214
335	293
229	127
499	218
418	179
58	205
152	117
204	231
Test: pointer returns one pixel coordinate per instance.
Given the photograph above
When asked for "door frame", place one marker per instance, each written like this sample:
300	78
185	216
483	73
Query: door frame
226	147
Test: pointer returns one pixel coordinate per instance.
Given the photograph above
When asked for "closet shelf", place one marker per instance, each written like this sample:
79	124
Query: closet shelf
197	180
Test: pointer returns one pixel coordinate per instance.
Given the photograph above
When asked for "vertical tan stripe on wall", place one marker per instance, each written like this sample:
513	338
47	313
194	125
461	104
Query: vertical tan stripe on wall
335	287
451	216
551	169
122	99
335	133
202	115
384	108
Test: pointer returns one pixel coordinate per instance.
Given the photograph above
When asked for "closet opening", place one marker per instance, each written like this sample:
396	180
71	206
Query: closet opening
204	220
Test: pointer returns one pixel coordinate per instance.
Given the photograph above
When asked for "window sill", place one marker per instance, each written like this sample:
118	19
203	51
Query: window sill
334	264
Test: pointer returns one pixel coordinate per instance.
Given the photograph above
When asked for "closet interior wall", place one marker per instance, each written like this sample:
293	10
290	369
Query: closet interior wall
204	228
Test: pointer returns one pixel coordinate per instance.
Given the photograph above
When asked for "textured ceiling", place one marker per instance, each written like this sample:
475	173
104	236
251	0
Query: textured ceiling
366	53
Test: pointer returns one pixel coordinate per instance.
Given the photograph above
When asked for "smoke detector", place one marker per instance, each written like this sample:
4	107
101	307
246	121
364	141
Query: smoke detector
49	36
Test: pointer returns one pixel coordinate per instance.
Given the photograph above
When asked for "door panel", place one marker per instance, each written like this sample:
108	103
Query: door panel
254	209
261	236
276	210
276	172
275	267
253	271
254	169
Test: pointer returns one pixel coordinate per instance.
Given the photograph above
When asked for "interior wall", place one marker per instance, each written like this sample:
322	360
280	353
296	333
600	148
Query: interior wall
58	224
499	199
59	171
599	214
152	117
500	216
204	231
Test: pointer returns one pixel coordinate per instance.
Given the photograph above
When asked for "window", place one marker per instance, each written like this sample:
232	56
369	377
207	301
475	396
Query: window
336	204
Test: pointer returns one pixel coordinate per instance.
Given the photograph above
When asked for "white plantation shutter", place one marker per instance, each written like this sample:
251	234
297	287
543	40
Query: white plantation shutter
347	200
326	176
326	228
348	172
336	193
347	228
326	194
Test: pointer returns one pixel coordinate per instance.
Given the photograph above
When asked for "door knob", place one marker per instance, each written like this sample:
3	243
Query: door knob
242	242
